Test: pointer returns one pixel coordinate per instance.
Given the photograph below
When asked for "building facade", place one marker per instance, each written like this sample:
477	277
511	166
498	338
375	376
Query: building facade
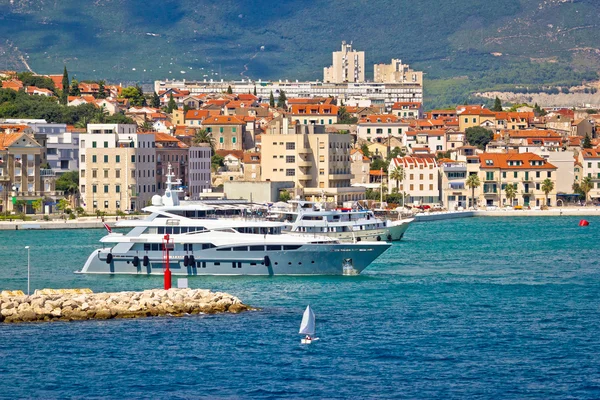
117	168
421	179
348	66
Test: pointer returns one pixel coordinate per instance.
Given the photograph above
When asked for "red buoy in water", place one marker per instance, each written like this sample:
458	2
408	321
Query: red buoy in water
583	222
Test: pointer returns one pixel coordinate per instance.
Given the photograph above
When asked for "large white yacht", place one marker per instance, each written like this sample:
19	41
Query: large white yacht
203	245
346	224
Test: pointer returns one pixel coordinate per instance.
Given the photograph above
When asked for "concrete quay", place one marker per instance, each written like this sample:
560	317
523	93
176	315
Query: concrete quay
501	212
78	304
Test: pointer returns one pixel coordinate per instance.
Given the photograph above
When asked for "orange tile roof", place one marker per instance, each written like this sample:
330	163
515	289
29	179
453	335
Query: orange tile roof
239	154
183	130
501	160
590	153
7	139
247	97
531	133
431	132
379	119
164	137
197	114
313	109
223	120
57	79
377	172
248	158
424	159
410	104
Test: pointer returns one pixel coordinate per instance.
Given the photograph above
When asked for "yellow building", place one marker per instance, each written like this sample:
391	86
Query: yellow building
525	170
317	162
396	72
471	116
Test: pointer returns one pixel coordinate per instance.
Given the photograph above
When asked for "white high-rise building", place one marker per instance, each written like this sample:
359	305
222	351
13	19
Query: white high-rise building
348	66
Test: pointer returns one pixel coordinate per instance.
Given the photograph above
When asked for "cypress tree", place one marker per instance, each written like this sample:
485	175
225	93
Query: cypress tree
65	87
74	88
497	105
272	100
101	91
229	90
281	100
255	90
171	105
155	101
587	142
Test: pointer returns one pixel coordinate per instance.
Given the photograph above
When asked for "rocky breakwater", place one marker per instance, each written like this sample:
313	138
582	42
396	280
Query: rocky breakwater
73	306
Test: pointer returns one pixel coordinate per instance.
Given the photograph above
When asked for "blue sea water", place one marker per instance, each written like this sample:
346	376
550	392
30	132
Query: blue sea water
472	308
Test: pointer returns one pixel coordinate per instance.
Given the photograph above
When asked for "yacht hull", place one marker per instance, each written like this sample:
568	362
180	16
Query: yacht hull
309	259
392	233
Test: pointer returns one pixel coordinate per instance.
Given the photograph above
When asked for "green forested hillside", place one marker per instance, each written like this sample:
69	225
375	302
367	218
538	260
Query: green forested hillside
451	40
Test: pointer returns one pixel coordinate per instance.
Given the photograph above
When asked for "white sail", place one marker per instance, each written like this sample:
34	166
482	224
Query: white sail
307	327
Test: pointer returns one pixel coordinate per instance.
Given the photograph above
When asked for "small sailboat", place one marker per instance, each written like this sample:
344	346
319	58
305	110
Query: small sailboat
307	326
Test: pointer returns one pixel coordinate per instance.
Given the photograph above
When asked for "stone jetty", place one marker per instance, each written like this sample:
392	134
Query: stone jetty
74	305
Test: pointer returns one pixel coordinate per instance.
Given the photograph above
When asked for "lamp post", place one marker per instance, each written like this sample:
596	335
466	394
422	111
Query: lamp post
27	247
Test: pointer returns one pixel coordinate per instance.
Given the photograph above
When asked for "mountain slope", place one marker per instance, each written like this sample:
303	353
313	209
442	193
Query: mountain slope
119	40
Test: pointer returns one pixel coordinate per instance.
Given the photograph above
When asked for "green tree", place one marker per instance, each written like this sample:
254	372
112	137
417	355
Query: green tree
586	185
378	164
135	95
203	136
497	105
65	87
547	187
229	90
147	126
397	175
272	100
365	150
63	205
171	105
74	91
217	161
101	90
344	117
68	183
511	192
281	100
21	205
395	153
473	182
37	205
255	91
587	142
155	101
284	196
478	136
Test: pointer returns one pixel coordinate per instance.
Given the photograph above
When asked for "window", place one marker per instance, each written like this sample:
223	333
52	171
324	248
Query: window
94	173
290	146
515	174
368	130
94	145
83	158
106	158
117	188
117	173
489	176
105	203
537	174
105	188
221	140
118	158
133	158
549	174
94	158
233	140
290	172
221	129
94	189
234	129
106	145
106	173
504	175
290	159
474	120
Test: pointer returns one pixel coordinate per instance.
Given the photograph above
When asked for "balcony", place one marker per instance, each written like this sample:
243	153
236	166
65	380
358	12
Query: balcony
304	163
47	173
454	168
304	150
38	194
334	177
304	177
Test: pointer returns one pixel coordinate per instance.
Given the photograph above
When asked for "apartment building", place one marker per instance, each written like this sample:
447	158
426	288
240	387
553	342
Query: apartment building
396	72
434	140
62	146
472	116
228	131
316	161
360	166
590	166
198	171
408	109
348	66
525	170
170	151
315	114
380	127
421	179
22	178
117	168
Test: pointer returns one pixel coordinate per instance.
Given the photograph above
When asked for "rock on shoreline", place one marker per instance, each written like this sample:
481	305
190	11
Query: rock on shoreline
77	306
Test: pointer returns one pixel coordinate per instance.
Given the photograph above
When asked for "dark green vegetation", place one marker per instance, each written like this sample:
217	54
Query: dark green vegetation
478	136
20	105
536	43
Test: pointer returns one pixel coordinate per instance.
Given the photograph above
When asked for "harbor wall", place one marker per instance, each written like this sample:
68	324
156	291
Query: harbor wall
82	304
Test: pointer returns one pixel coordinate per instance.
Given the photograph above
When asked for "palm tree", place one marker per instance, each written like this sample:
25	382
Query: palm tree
473	182
586	185
511	192
547	187
397	175
203	136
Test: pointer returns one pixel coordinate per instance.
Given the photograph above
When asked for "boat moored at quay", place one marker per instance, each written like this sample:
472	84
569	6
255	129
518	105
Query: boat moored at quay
199	245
